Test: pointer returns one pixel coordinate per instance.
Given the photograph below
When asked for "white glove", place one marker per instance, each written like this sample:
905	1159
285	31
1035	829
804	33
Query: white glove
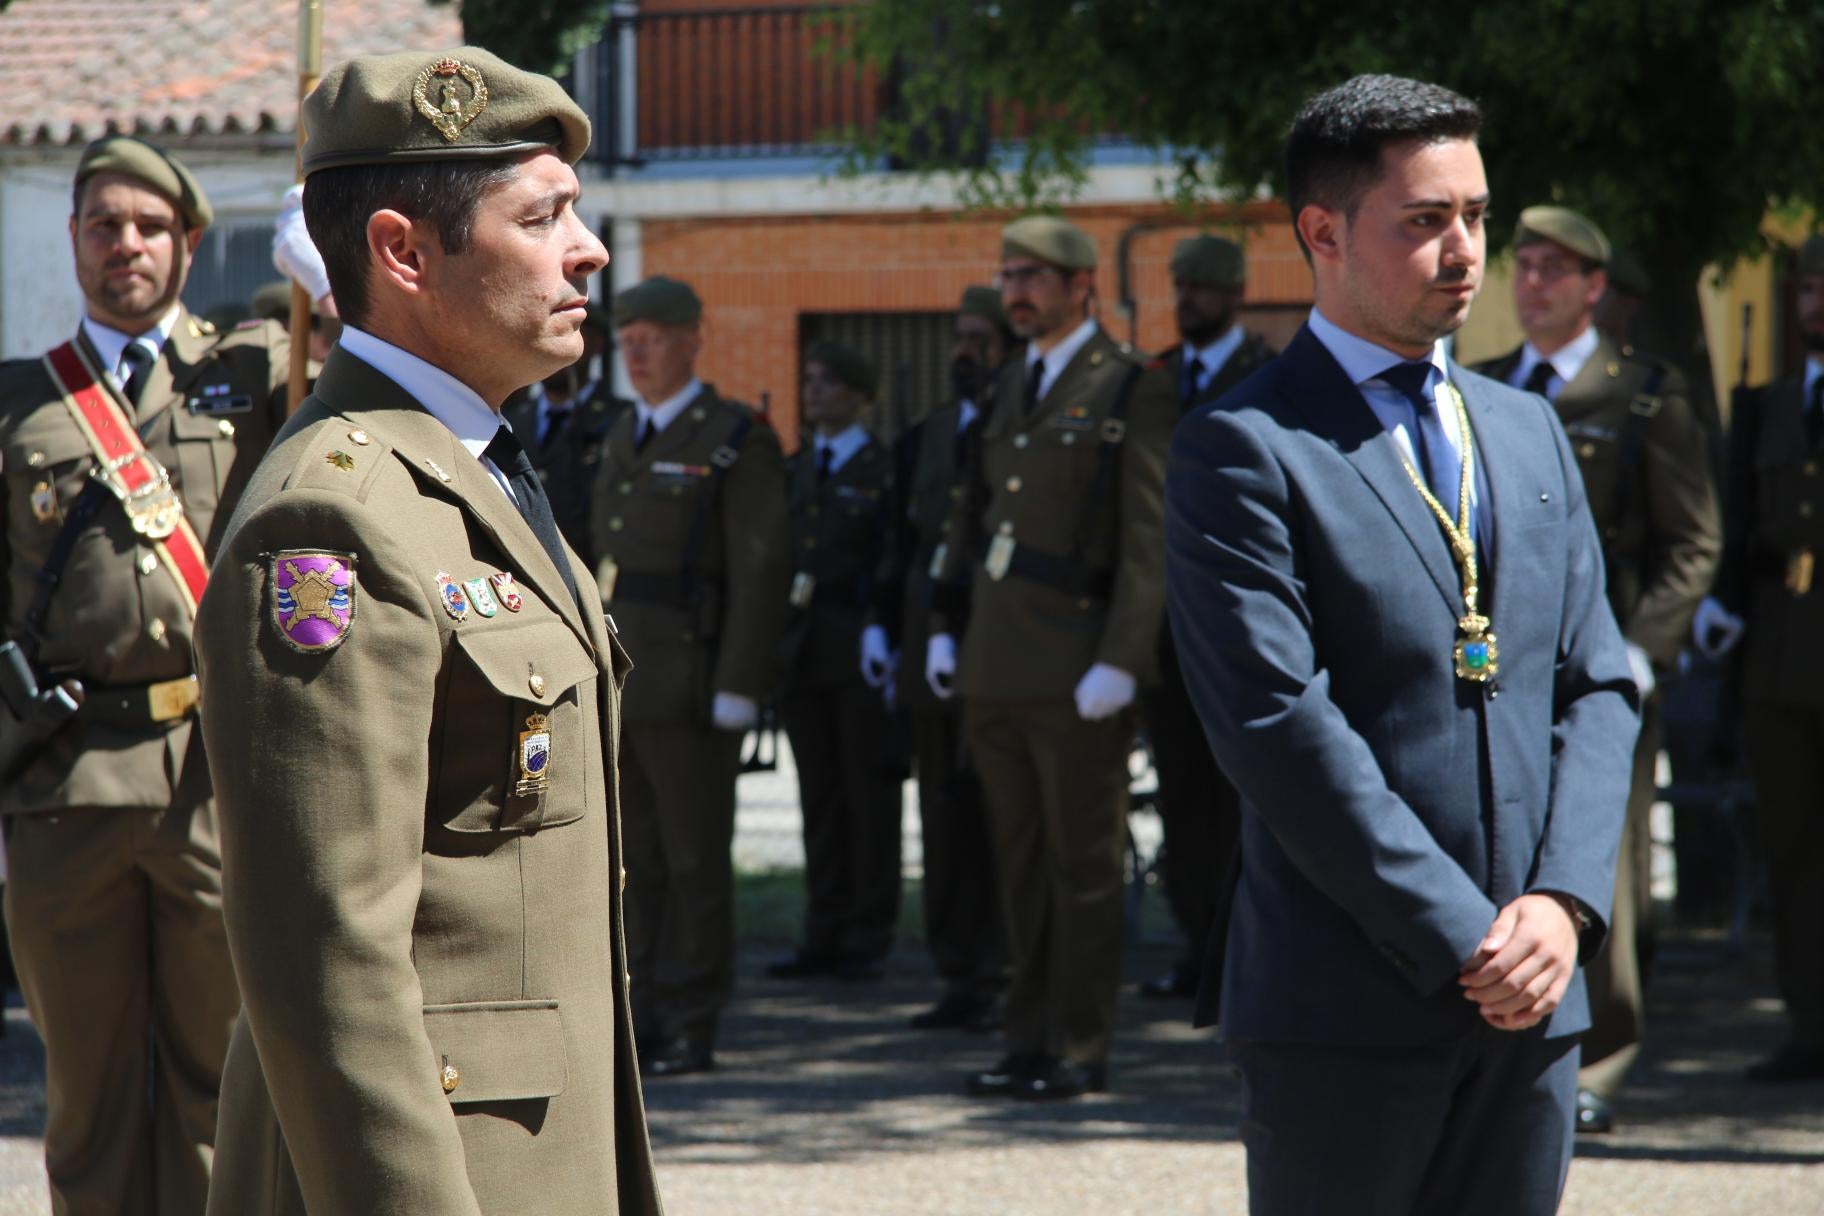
1642	667
940	665
1103	692
1715	629
877	661
732	711
292	251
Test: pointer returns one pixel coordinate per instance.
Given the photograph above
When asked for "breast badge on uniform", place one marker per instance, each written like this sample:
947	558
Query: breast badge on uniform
313	602
507	591
534	756
481	596
44	502
455	599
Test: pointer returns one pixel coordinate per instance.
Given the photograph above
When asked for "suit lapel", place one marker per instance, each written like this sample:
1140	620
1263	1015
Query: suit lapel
1337	412
355	389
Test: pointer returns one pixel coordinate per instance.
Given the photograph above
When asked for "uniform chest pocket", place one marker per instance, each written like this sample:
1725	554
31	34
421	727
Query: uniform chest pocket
205	452
518	744
48	468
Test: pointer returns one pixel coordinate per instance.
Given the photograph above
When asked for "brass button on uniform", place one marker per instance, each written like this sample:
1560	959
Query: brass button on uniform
1811	468
226	428
1014	484
449	1078
1006	528
536	684
1021	440
155	629
1805	510
615	524
358	437
147	563
626	487
35	460
1067	439
1586	450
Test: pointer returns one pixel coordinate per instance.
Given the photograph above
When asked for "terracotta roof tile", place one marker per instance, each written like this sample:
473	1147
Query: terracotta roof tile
72	70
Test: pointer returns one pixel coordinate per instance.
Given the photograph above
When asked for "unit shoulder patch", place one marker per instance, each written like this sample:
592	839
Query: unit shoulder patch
313	598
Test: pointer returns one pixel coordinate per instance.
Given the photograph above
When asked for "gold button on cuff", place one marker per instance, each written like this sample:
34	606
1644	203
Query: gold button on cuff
449	1078
155	629
226	428
147	563
536	684
358	437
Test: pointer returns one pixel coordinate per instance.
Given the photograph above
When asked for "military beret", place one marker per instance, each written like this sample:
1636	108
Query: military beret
660	300
1811	255
985	302
1562	226
1627	274
844	362
139	160
465	104
1209	261
1049	239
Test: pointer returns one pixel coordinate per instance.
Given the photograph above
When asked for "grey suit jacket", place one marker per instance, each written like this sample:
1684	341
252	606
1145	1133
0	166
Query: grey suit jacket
1390	808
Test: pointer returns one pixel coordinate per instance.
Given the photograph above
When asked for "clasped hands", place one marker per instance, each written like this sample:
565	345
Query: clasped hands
1524	963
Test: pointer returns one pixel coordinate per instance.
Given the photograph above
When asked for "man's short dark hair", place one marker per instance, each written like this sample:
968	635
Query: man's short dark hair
442	194
1333	148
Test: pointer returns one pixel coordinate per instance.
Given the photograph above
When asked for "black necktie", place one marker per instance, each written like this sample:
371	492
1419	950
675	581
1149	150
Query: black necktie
510	458
1539	378
642	434
1443	467
965	435
1193	378
136	361
1035	376
1814	417
824	456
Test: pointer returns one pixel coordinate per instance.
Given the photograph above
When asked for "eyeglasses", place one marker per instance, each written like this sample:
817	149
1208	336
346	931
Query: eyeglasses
1548	269
1022	276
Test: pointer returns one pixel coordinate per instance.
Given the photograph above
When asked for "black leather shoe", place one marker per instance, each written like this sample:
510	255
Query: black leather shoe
1594	1117
676	1058
957	1011
999	1081
802	964
1177	984
1789	1063
1060	1080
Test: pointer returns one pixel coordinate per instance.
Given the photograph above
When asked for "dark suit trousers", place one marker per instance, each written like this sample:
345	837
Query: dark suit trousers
1481	1124
1200	812
852	808
677	826
1057	799
1785	746
962	909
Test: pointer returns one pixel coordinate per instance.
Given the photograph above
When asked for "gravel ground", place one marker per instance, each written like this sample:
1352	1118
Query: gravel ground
824	1104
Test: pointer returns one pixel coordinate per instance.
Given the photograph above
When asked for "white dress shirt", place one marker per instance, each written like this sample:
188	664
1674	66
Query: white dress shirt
665	412
111	344
446	398
1214	355
1566	361
965	415
842	445
1058	357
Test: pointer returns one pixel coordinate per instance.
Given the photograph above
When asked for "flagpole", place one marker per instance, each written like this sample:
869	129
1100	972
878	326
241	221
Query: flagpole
310	67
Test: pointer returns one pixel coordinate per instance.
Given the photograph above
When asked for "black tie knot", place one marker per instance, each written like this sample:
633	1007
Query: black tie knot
135	363
1540	378
826	457
1411	379
1193	377
508	455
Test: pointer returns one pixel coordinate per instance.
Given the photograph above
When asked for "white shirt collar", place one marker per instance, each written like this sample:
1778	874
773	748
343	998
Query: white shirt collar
1362	360
1567	361
965	414
1058	357
446	398
843	444
666	412
1814	367
111	344
1215	354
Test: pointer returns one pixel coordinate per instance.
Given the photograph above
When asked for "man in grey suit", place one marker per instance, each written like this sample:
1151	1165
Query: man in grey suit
1430	815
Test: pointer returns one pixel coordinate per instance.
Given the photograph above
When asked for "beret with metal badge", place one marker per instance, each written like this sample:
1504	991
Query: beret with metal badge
661	300
1562	226
1049	239
156	168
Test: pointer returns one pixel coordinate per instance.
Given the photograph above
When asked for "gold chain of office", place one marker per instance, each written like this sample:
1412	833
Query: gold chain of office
1476	653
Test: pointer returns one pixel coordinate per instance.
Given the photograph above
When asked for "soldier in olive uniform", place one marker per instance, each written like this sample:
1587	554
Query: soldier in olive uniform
689	536
962	918
1646	465
1768	595
1198	808
562	421
114	901
412	696
840	493
1064	619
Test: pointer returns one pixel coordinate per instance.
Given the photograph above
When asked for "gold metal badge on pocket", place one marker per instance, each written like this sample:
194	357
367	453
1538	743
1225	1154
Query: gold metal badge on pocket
44	502
607	573
1799	568
804	586
1000	556
534	757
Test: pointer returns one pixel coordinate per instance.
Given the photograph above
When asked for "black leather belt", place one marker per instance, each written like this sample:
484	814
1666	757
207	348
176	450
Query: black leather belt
1058	573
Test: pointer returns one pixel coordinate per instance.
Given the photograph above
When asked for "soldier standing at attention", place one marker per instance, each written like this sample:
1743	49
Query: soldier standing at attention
1646	468
1198	808
561	421
1767	593
689	536
1063	627
413	698
123	450
962	919
840	495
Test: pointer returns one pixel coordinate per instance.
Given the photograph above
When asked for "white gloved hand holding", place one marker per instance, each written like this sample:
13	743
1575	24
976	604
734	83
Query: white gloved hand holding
1715	629
940	665
1642	668
877	661
292	250
1103	692
732	711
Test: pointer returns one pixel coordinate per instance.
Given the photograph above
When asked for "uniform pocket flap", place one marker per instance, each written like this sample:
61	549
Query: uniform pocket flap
498	1051
538	661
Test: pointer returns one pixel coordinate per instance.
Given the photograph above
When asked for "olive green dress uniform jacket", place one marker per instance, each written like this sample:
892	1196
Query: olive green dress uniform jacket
117	619
566	460
1030	641
431	958
714	626
1658	516
838	538
929	477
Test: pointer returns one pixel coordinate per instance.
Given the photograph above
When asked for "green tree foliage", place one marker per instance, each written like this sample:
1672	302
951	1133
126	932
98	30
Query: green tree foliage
538	35
1678	124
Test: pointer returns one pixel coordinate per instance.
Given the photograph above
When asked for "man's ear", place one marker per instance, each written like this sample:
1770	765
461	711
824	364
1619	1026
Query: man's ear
192	238
1599	283
1322	232
401	250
